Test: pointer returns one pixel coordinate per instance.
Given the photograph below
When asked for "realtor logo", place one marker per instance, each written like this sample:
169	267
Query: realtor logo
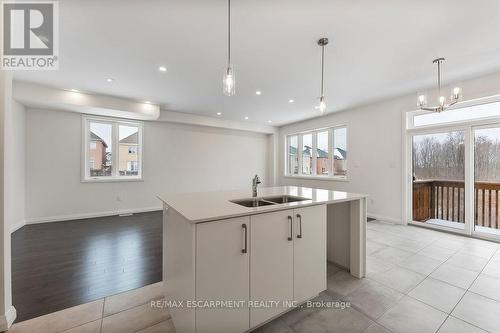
30	36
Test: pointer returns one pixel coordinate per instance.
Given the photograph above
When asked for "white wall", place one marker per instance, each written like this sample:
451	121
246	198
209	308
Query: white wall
15	166
177	158
7	311
374	154
375	147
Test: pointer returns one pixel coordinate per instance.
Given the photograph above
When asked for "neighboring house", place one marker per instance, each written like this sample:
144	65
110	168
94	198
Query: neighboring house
322	162
128	164
97	151
339	161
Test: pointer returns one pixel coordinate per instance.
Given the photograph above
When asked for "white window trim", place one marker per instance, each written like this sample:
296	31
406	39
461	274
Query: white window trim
410	115
115	175
314	176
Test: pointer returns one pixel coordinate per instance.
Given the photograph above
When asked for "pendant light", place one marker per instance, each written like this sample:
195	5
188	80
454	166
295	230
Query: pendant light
322	101
442	104
228	80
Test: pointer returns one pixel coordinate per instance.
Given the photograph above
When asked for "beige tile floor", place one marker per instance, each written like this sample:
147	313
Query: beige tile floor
128	312
418	280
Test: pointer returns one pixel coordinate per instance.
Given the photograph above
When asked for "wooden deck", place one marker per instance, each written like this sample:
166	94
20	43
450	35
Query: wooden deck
445	200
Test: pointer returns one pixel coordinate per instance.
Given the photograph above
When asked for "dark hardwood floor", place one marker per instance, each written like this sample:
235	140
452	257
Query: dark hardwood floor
62	264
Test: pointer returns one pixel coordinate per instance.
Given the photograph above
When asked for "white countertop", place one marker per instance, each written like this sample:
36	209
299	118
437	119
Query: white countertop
209	206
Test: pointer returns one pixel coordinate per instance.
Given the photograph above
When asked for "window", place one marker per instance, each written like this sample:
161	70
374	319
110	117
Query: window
307	154
293	155
482	109
340	151
323	153
322	156
132	166
112	149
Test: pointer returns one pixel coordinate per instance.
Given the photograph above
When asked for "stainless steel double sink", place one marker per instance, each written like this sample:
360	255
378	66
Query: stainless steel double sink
266	201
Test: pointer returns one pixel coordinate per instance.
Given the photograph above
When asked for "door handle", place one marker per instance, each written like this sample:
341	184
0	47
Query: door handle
290	221
245	247
299	217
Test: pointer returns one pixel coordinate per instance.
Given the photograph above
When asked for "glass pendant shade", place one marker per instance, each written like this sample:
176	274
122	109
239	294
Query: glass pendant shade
228	81
322	104
442	101
422	100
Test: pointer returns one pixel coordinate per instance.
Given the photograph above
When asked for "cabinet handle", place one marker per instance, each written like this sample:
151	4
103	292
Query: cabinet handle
290	220
299	235
245	248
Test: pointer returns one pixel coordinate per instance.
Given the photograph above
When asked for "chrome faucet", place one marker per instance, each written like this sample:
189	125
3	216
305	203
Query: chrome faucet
255	181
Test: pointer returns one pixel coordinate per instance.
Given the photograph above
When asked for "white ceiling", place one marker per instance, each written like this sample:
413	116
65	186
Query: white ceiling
377	49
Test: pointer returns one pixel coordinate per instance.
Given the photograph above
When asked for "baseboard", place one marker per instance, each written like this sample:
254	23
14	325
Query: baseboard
59	218
16	226
7	319
385	218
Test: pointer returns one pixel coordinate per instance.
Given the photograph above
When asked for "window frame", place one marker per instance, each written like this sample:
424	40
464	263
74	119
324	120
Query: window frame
331	145
115	150
410	115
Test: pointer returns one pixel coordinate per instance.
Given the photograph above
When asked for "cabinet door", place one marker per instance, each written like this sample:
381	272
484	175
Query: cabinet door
271	263
222	273
309	252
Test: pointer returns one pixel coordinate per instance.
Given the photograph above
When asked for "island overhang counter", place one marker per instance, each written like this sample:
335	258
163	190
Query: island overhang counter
230	268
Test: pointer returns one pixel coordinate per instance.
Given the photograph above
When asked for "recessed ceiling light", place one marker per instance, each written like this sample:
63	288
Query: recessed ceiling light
269	121
147	102
218	113
258	92
316	107
162	69
246	118
110	79
74	90
291	101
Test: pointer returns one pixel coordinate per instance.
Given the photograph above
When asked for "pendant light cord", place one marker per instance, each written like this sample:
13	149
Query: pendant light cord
228	32
322	69
439	76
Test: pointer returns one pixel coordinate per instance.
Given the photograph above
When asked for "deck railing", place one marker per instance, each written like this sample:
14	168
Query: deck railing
445	200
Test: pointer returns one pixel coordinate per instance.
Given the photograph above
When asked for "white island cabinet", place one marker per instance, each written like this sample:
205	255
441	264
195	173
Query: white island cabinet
238	268
287	247
222	273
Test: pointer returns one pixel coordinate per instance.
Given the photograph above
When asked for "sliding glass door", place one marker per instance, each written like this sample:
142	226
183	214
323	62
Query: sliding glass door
438	184
452	168
487	179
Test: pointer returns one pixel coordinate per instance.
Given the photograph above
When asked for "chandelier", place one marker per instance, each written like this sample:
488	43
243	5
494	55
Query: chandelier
442	103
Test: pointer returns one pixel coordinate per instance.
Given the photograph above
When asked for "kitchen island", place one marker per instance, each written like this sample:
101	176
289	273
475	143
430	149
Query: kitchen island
232	262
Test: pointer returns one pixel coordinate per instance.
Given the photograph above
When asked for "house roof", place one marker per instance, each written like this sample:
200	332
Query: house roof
132	138
338	153
95	137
